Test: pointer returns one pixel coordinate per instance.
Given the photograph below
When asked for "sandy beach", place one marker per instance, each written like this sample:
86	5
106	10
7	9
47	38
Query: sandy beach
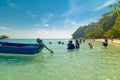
115	41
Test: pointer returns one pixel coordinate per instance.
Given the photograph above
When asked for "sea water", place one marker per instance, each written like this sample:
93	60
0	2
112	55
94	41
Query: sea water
98	63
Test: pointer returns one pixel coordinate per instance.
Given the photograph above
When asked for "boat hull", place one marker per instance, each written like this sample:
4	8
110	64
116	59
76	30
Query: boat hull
19	48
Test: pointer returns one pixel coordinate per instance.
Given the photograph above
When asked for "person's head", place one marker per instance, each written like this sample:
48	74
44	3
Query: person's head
76	41
88	43
39	40
59	42
71	41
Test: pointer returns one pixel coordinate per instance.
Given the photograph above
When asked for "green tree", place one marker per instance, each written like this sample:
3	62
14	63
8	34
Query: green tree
116	28
116	8
108	33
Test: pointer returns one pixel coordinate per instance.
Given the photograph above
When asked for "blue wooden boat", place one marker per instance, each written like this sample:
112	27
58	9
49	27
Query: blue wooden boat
19	48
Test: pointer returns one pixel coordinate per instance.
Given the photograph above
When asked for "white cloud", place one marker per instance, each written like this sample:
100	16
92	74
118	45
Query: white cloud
106	4
69	27
70	24
31	14
46	18
44	21
20	34
4	28
46	25
37	25
50	15
12	4
29	11
73	8
17	32
53	34
88	21
40	33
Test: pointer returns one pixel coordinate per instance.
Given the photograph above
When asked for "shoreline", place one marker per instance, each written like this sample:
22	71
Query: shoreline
115	41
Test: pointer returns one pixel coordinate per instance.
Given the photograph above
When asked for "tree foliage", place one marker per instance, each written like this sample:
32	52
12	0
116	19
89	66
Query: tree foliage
116	8
97	29
115	31
107	26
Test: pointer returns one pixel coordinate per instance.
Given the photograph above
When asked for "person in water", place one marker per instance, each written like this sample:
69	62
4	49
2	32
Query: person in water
71	45
50	42
83	40
77	45
42	45
80	41
90	45
105	44
59	42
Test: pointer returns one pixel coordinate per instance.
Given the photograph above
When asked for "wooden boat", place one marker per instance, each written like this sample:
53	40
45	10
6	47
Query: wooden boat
19	48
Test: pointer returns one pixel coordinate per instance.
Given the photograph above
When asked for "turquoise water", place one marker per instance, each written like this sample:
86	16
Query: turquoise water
80	64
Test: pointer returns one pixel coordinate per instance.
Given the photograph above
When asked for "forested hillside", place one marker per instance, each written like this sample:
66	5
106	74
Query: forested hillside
98	29
107	26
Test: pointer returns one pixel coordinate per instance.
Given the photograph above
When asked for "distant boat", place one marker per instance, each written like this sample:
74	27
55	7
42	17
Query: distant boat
4	37
19	48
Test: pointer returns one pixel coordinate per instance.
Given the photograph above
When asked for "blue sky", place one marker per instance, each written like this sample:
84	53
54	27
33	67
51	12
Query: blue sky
48	18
